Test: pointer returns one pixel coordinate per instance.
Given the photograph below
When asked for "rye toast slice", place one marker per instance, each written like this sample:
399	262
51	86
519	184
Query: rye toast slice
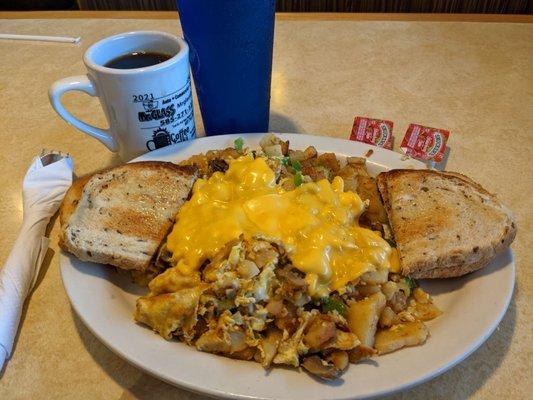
121	216
444	223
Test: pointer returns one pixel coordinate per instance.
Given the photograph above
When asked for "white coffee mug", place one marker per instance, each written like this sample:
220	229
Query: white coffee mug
146	108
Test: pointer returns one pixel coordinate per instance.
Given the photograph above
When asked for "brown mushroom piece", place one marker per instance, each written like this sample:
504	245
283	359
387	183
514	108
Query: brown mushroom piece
321	369
340	359
217	165
290	275
284	147
287	320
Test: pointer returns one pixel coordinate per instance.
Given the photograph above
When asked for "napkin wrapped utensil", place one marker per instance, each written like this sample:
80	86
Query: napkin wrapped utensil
43	189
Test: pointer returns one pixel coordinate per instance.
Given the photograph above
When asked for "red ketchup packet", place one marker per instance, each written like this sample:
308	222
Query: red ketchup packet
425	143
377	132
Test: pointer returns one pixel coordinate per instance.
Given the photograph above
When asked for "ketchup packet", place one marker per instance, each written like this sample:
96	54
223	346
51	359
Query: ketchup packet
377	132
425	143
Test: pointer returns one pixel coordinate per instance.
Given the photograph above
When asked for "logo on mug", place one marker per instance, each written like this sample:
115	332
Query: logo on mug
150	105
160	138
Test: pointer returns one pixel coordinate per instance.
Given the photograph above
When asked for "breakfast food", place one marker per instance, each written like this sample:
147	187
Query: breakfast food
121	216
444	224
267	261
283	256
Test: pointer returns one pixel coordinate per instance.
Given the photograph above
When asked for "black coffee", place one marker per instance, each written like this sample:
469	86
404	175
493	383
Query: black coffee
137	59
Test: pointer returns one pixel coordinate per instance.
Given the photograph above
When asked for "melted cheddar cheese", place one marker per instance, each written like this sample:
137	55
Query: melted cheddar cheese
317	223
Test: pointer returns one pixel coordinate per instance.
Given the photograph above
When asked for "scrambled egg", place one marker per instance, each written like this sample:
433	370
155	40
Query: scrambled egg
317	223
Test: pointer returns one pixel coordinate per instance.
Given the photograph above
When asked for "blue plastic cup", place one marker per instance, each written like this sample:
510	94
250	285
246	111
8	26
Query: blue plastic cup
230	51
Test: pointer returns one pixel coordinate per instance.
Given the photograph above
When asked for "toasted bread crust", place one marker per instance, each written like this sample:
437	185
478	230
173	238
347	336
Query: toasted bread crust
69	204
120	216
444	224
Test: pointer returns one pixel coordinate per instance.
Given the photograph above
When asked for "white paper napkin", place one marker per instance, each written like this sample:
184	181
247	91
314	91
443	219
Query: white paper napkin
43	190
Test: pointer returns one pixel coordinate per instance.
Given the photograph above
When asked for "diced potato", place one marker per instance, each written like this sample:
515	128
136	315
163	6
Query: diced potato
237	340
389	289
329	160
268	140
319	332
315	172
360	353
388	317
358	163
420	296
274	146
349	176
424	311
367	189
268	346
273	150
356	179
363	317
299	155
310	152
246	354
275	307
398	302
344	341
399	336
375	277
214	341
296	155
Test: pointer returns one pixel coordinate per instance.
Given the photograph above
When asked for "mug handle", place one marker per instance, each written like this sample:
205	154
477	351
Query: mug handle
83	84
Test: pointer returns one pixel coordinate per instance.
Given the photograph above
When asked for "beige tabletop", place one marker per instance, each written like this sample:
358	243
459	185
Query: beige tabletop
473	78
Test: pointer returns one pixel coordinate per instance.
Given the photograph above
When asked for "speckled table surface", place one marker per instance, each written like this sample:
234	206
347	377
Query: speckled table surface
474	79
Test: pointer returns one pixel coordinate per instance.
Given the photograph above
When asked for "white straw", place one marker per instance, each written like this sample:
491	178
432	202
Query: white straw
60	39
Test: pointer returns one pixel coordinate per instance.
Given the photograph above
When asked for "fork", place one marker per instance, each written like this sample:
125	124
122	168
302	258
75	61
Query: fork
50	157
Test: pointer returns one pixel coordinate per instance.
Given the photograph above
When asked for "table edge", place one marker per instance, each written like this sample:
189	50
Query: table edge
513	18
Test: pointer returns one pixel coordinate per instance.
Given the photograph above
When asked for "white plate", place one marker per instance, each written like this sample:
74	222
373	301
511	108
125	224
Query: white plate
473	306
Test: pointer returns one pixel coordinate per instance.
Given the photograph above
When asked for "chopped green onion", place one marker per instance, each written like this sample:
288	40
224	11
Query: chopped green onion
285	161
410	282
239	143
298	179
407	285
297	166
329	305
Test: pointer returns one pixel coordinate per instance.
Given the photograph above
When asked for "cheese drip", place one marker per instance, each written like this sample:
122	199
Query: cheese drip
317	222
